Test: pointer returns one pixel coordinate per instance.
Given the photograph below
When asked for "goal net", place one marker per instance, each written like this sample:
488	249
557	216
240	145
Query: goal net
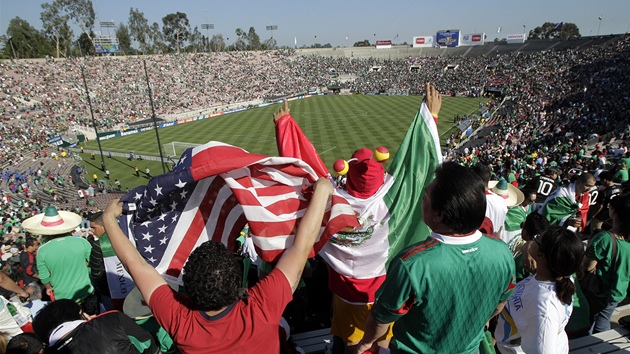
175	149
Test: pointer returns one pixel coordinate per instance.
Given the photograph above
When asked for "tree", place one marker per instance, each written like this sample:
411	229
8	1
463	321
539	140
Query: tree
24	41
176	29
551	30
363	43
82	13
55	25
241	40
269	44
217	43
197	41
124	38
85	45
157	40
253	40
139	29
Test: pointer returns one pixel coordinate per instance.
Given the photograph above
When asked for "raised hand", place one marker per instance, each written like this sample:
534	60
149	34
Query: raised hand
282	111
433	99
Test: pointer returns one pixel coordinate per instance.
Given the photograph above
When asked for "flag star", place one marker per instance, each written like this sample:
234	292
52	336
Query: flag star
145	193
174	218
174	205
164	241
149	249
146	223
181	161
153	201
183	193
147	236
137	196
162	229
162	217
180	184
152	260
158	190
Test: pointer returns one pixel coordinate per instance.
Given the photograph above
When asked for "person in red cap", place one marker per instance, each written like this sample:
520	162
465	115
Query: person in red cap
357	257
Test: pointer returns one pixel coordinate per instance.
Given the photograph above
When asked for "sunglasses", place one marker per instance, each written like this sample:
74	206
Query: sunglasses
536	239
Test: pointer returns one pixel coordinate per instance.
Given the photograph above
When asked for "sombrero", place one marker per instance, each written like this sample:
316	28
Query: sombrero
134	305
512	195
52	222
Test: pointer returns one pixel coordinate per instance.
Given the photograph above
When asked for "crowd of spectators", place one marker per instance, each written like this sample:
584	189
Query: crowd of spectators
562	109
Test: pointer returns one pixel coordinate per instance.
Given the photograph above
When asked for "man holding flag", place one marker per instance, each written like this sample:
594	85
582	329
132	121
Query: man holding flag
214	318
387	208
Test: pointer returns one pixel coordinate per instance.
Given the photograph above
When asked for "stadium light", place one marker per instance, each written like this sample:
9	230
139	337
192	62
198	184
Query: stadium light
272	28
108	24
207	27
600	25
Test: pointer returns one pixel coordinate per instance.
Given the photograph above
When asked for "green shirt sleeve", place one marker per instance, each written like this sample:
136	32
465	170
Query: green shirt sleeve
396	296
44	273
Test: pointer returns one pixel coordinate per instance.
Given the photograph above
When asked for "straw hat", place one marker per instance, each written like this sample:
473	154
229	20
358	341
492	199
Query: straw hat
512	195
52	222
134	305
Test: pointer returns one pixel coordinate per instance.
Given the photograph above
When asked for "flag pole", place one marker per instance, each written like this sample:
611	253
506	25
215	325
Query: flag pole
157	134
98	140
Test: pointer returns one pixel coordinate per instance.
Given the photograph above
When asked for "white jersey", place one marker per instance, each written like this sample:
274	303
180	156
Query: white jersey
535	315
496	209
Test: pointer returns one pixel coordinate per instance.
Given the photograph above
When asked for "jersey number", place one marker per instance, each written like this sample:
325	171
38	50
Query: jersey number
544	187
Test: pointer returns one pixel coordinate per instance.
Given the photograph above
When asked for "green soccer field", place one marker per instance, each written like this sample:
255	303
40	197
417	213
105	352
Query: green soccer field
336	125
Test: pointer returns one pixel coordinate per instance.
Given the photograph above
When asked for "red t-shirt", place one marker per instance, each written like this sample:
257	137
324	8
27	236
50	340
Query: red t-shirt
249	324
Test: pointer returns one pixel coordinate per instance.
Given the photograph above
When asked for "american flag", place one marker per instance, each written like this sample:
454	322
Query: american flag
212	192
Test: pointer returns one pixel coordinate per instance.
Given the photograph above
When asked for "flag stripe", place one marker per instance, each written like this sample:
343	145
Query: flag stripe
195	227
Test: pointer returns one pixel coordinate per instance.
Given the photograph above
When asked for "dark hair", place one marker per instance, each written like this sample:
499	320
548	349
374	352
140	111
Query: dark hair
96	217
54	314
621	204
212	277
551	170
483	171
607	175
585	177
535	224
563	251
30	241
459	196
24	343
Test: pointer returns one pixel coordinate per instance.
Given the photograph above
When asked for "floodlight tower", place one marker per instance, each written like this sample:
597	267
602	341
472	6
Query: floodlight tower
207	26
272	28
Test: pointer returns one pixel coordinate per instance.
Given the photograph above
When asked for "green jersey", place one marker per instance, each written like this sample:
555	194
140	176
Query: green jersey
62	262
442	291
600	249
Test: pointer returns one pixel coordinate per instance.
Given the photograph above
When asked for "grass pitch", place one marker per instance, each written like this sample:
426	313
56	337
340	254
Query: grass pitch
336	125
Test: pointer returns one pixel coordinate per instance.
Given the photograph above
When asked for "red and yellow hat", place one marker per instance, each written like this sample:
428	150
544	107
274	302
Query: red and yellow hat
365	171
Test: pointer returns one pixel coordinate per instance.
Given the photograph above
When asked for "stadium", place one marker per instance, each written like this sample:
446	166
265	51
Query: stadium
80	132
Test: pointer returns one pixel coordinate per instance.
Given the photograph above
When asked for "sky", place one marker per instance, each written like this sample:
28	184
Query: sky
326	21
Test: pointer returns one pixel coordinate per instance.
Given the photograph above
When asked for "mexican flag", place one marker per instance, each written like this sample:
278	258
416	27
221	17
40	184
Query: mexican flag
391	219
511	233
118	279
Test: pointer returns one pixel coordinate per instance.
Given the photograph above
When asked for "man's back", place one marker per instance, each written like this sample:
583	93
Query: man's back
63	262
250	324
445	291
543	185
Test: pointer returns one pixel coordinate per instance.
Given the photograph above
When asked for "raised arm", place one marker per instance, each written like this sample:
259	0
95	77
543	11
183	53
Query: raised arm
8	284
147	279
433	99
292	261
292	142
